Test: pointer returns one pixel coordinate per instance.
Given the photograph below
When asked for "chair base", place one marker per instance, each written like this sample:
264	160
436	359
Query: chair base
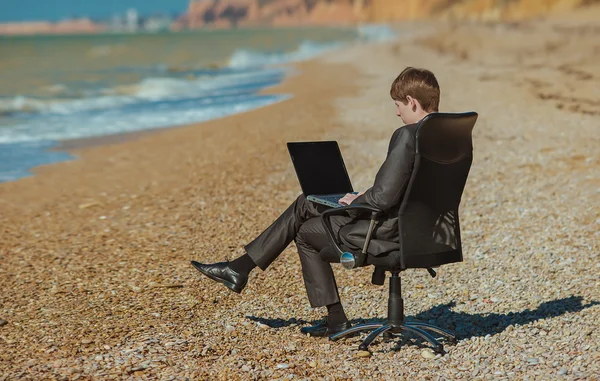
387	328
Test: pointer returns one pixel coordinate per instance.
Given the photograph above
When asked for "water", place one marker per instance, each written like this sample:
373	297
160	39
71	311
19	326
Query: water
65	87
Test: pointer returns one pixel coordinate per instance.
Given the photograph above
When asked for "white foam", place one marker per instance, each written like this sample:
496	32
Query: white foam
147	90
119	120
245	58
375	33
21	103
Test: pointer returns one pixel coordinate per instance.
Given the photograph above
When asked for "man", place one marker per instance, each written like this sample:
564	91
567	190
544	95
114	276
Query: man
416	93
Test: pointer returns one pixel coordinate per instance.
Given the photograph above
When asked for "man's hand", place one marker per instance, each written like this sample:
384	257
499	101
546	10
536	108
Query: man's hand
349	197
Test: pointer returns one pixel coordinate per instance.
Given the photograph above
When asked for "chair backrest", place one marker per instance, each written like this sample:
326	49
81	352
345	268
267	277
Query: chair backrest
428	220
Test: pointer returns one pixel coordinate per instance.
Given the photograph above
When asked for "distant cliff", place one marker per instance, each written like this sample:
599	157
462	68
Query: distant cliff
231	13
228	13
389	10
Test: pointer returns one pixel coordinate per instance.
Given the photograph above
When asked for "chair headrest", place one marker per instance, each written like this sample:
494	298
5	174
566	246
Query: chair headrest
446	137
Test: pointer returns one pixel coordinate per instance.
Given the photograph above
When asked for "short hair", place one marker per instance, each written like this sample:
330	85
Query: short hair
420	84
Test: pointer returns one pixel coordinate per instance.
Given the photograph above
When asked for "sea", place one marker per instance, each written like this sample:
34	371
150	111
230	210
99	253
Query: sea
57	88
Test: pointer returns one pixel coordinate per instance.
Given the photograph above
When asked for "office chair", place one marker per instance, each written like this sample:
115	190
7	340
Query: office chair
428	223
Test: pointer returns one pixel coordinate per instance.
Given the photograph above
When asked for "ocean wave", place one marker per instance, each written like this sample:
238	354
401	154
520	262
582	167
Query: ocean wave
134	117
150	89
246	58
375	33
21	104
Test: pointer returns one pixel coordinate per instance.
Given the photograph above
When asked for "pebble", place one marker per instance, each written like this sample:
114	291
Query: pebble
282	366
363	354
428	353
3	322
245	368
533	361
229	328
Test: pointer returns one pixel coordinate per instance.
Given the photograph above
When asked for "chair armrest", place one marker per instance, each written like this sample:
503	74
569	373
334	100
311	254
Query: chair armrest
343	209
349	260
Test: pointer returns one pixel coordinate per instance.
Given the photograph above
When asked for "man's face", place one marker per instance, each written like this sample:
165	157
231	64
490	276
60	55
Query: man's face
405	112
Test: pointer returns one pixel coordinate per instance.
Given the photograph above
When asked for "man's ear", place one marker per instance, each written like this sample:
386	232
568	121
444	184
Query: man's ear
413	103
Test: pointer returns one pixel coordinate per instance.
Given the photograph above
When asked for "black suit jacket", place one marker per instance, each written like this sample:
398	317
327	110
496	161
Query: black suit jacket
386	194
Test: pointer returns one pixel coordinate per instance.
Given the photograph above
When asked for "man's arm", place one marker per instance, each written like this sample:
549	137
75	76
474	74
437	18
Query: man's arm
392	178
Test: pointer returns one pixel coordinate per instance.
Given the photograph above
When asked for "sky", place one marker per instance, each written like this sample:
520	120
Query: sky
53	10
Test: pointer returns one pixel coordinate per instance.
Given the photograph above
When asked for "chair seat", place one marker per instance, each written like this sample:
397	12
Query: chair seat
390	261
328	254
434	259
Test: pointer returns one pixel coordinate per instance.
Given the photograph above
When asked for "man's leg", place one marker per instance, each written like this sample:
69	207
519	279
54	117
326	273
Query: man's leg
318	275
265	248
271	242
319	279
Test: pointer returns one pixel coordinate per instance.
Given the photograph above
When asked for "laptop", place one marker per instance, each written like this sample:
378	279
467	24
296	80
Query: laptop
321	171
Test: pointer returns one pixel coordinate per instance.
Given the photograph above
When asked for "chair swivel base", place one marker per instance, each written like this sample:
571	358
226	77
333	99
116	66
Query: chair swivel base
417	328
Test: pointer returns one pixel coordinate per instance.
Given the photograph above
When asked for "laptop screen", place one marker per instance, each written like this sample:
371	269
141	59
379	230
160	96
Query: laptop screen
320	168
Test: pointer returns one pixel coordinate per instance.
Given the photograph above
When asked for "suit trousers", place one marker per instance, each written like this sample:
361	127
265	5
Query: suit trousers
301	223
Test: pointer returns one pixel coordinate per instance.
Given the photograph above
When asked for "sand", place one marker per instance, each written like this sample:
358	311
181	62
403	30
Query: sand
95	252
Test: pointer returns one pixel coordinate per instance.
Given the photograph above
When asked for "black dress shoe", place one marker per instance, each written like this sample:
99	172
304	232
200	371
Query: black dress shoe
221	272
325	328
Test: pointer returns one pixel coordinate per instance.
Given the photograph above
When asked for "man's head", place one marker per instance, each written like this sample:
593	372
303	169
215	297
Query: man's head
416	93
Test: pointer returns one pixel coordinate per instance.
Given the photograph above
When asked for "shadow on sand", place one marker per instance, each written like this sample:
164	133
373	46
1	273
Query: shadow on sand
465	324
473	325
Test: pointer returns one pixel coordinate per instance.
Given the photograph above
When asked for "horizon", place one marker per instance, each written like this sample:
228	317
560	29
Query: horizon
57	10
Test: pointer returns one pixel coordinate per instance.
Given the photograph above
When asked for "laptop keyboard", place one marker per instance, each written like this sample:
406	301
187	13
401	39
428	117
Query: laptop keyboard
334	199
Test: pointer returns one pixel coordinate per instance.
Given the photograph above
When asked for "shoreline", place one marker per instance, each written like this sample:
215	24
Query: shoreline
175	122
79	147
75	144
123	137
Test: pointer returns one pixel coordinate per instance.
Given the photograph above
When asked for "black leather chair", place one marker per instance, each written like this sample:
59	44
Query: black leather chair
428	222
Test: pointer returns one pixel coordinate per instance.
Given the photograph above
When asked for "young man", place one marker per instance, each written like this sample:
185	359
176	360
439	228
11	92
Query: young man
416	93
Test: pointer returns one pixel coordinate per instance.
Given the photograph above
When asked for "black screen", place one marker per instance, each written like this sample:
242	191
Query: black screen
320	168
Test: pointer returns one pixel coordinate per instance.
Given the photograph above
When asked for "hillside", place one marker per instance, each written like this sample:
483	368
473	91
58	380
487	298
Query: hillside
232	13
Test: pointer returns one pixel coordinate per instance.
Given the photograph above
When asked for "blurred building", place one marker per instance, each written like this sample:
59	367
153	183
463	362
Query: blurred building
132	20
156	23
